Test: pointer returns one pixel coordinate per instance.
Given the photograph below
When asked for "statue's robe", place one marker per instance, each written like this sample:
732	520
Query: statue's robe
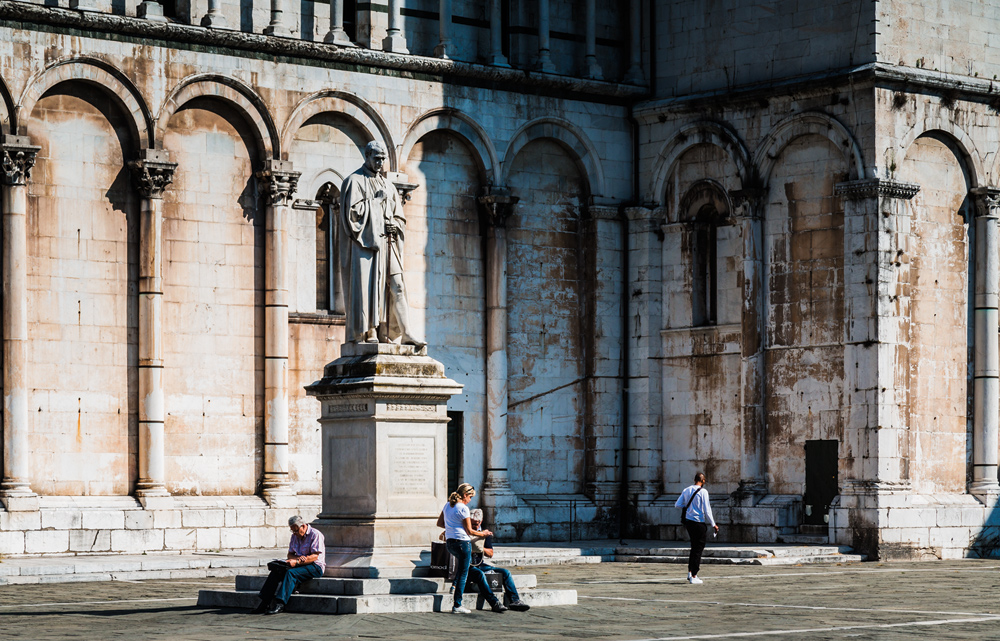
368	256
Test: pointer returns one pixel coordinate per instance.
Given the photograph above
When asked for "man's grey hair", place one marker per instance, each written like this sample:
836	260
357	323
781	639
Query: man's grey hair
296	521
476	515
375	146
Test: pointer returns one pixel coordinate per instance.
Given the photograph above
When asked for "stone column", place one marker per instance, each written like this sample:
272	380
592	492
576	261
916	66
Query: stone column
986	377
497	59
874	456
214	18
151	173
497	205
277	26
337	35
444	26
592	69
544	62
634	75
18	157
277	183
151	10
395	39
753	477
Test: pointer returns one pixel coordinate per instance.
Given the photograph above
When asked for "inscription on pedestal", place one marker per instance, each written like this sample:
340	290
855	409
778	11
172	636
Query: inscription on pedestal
412	461
340	409
409	407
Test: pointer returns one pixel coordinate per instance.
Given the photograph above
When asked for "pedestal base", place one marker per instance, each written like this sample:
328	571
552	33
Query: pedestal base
384	417
20	502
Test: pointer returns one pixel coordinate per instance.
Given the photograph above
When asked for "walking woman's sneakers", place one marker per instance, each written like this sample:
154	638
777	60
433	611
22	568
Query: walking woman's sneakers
695	580
460	610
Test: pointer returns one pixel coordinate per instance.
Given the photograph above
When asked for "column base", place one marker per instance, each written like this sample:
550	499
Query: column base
152	11
594	71
281	497
18	497
545	64
154	496
634	76
499	60
750	492
338	37
214	21
441	51
395	43
497	491
279	30
987	492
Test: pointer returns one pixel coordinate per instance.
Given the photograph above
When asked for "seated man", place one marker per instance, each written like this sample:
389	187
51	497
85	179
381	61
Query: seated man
306	560
477	560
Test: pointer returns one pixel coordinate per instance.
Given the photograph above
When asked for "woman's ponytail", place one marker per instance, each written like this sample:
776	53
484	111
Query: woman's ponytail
463	491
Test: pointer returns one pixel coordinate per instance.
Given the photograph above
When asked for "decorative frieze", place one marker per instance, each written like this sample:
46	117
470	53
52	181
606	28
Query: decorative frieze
872	187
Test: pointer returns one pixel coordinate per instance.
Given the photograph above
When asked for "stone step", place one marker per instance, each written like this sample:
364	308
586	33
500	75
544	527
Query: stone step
804	539
364	587
371	604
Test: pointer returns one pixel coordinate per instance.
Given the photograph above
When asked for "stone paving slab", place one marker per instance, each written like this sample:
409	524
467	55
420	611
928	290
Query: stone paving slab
616	602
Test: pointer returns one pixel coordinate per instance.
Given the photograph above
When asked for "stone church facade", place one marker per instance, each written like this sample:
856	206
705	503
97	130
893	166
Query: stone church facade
649	238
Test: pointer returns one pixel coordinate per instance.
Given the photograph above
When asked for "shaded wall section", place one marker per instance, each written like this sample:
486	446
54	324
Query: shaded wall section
213	268
544	336
82	305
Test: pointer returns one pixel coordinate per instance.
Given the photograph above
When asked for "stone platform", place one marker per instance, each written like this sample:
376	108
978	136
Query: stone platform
374	596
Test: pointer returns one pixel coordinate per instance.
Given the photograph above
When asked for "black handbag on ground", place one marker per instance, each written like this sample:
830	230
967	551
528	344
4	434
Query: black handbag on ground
442	562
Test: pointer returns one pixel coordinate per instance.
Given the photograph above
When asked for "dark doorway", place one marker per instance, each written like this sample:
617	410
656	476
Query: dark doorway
821	480
455	429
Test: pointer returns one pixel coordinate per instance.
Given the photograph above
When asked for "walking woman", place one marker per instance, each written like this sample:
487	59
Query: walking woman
458	532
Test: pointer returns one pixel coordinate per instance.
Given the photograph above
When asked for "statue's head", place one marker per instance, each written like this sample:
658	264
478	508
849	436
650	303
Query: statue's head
375	156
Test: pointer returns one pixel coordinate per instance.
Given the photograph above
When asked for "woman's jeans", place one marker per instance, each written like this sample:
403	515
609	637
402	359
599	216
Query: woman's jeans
462	551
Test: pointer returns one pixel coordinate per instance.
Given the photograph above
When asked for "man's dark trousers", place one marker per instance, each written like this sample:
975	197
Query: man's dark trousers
699	535
282	581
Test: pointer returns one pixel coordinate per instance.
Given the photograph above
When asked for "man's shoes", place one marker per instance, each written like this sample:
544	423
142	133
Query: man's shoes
498	607
261	608
519	606
277	608
695	580
460	610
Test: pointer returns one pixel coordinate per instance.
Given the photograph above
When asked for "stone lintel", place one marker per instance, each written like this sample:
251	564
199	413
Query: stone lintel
872	187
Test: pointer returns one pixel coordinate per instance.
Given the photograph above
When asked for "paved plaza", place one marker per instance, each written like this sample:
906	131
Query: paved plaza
620	601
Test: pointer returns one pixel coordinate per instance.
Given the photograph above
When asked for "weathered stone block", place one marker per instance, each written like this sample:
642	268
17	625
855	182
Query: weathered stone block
90	541
203	518
180	539
46	541
103	519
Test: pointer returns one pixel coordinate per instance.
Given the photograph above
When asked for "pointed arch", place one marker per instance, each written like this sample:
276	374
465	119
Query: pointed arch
94	72
464	127
229	90
568	136
804	124
347	104
702	132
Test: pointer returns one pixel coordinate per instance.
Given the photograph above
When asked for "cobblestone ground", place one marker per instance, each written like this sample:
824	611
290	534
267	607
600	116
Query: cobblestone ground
940	600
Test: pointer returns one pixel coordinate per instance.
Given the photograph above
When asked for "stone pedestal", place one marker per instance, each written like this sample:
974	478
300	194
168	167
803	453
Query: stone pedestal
384	418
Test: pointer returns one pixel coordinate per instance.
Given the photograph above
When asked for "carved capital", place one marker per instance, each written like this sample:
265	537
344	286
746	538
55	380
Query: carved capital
987	202
277	183
152	172
18	157
748	202
498	205
876	187
404	188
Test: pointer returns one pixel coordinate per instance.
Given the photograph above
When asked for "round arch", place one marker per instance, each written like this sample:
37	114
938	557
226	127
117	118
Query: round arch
567	135
8	112
96	73
697	133
804	124
341	103
229	90
309	186
465	128
705	192
959	139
